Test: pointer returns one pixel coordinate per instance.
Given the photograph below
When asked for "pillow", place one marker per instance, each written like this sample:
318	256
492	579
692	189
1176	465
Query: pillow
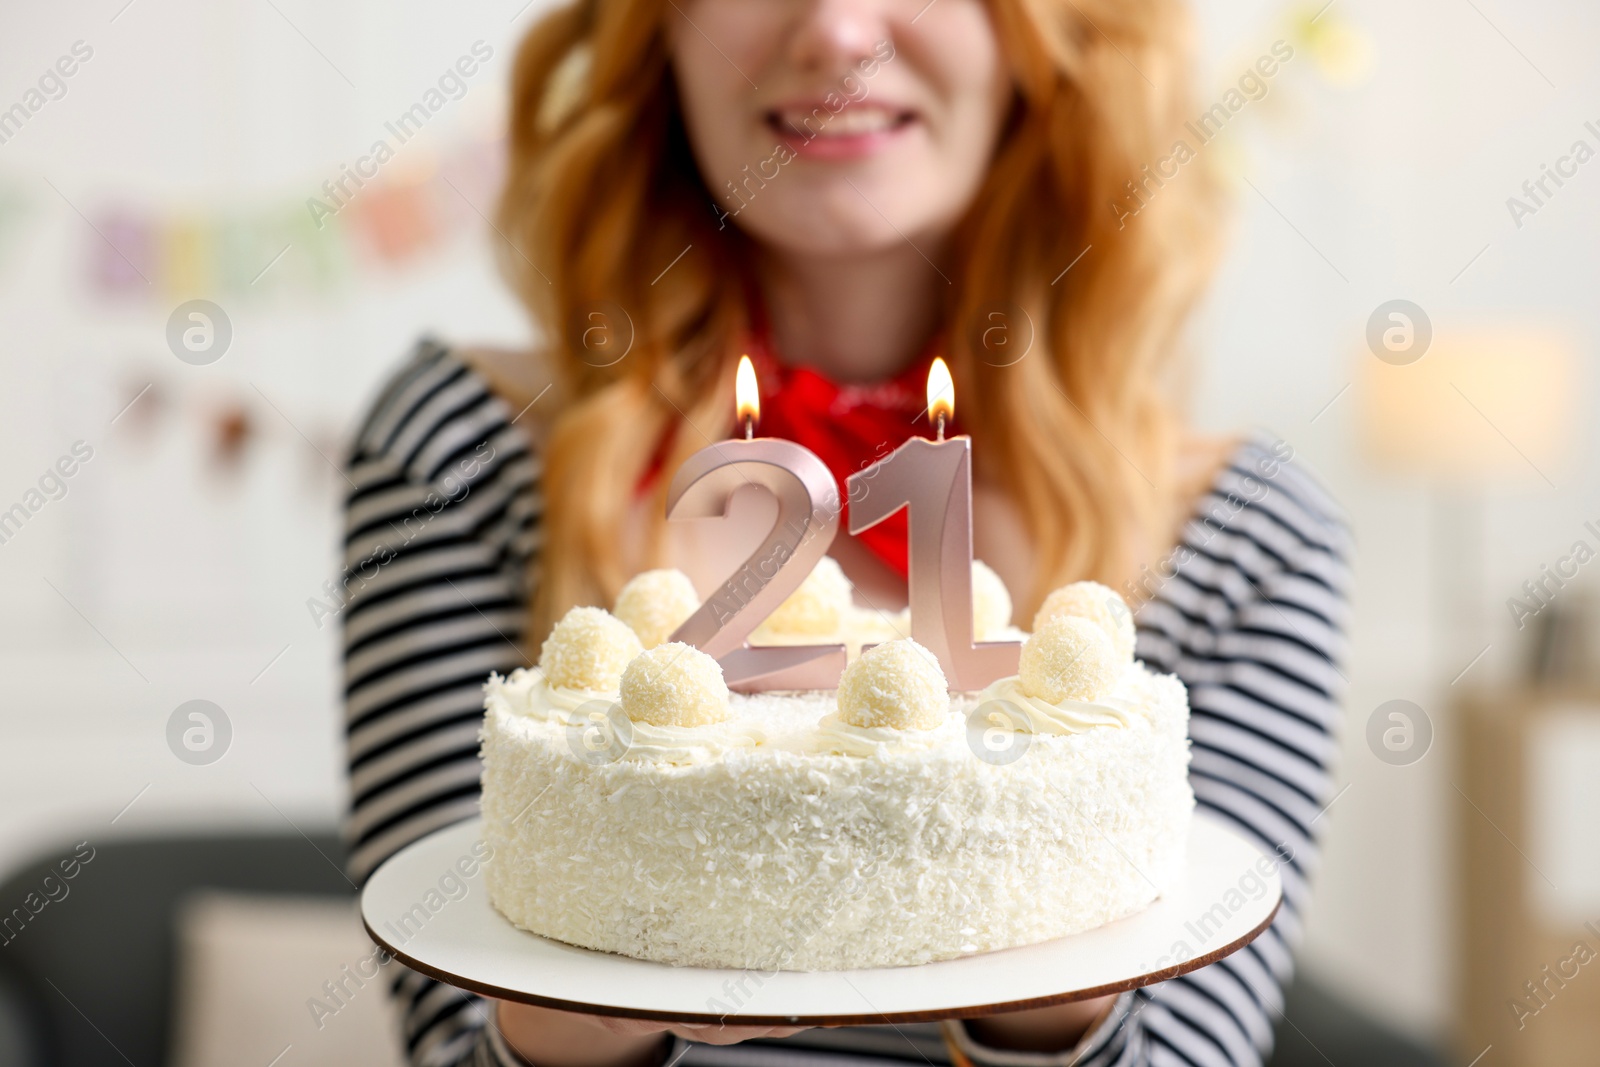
267	977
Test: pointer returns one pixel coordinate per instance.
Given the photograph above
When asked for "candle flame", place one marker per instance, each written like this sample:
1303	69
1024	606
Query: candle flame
941	392
747	398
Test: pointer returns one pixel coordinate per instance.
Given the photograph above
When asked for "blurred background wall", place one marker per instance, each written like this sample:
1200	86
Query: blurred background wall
177	160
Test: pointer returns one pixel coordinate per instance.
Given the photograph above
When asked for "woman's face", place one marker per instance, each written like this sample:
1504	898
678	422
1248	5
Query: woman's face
839	127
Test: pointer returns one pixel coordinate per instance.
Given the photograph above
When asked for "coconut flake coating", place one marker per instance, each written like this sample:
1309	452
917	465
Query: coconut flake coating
774	857
1098	603
588	649
674	685
897	684
655	603
991	603
1069	659
818	607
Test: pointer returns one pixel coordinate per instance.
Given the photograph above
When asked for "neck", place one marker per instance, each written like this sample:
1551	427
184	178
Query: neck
853	318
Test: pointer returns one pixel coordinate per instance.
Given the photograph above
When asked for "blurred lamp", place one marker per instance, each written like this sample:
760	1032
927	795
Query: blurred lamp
1476	410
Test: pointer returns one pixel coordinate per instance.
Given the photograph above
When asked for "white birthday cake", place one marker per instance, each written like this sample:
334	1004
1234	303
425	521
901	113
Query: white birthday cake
636	806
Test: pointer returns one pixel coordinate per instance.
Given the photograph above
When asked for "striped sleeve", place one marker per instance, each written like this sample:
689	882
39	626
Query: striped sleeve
441	522
1250	611
1252	618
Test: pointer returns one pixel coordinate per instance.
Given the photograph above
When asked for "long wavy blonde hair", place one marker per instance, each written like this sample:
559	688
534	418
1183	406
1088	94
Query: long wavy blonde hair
602	192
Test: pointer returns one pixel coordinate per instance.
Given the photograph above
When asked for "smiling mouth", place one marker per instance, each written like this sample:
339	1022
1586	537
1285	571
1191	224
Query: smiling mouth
818	123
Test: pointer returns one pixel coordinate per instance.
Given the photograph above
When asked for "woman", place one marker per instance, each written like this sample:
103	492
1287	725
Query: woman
844	187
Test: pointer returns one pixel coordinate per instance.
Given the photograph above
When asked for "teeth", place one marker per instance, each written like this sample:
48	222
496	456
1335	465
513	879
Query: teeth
851	122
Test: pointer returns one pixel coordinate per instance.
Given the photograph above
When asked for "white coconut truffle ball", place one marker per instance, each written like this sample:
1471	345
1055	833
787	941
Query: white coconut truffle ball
1099	604
588	649
898	685
991	603
674	685
1069	658
819	606
656	603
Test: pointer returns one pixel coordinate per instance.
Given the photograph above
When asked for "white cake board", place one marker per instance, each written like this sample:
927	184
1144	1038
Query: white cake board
1220	904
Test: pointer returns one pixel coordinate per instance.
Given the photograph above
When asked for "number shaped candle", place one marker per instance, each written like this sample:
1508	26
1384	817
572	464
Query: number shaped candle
808	519
934	480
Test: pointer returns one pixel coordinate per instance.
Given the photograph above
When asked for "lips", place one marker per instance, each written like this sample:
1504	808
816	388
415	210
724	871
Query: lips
810	128
814	120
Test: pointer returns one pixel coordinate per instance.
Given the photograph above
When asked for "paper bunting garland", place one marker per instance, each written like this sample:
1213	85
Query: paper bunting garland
296	246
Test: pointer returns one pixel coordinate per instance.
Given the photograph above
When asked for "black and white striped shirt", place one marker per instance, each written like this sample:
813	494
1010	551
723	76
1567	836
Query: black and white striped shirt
444	519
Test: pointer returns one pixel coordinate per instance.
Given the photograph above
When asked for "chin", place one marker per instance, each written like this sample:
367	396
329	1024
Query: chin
827	241
831	224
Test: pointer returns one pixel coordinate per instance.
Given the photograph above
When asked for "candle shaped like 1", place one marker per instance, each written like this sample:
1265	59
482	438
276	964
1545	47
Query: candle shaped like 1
934	480
807	520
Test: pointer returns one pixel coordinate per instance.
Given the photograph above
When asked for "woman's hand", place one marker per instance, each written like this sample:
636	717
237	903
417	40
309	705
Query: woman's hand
709	1033
1041	1029
553	1038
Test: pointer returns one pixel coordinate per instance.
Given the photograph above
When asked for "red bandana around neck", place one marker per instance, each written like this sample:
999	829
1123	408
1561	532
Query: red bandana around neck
849	427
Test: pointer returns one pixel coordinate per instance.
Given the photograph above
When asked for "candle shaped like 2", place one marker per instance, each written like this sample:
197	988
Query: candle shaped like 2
807	521
934	480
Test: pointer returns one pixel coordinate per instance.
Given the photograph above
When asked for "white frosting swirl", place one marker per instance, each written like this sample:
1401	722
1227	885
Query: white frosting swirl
546	701
646	743
689	745
837	737
1067	717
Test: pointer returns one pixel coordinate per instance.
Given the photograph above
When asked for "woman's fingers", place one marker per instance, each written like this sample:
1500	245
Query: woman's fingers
716	1034
707	1033
626	1027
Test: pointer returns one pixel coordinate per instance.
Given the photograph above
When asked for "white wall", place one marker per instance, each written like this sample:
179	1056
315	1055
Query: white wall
1400	181
183	584
188	582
